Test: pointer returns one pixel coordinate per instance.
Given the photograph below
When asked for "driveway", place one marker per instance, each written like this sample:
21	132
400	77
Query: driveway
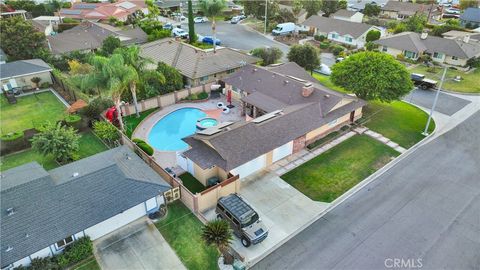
446	104
282	208
138	245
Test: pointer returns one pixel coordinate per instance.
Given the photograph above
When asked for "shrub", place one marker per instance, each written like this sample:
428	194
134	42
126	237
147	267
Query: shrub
137	140
106	131
373	35
11	136
159	34
324	45
319	37
431	69
76	252
96	107
337	50
65	26
44	263
72	118
144	146
69	20
401	57
474	62
370	46
45	85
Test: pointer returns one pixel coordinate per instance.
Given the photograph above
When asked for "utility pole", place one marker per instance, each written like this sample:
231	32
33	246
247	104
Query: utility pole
265	28
425	132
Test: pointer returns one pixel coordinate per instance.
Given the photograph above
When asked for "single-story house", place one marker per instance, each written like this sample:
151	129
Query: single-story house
401	10
104	10
455	34
454	52
196	65
88	36
341	31
284	113
19	73
44	211
470	17
348	15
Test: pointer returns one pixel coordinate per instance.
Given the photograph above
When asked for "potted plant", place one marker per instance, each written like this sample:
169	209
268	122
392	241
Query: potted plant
36	81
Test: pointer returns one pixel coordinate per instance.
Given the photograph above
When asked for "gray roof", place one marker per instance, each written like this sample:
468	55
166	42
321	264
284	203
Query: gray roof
292	69
471	15
168	3
342	27
49	206
90	35
344	13
193	62
407	8
244	141
23	67
413	42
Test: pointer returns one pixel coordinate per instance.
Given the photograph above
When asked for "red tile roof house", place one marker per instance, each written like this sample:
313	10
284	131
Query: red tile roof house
103	11
285	111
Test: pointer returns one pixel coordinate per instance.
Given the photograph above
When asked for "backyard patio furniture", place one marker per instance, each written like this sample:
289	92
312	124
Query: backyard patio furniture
226	110
220	105
212	181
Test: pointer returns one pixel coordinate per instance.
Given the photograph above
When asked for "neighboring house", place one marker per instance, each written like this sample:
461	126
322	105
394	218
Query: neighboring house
348	15
284	114
45	24
341	31
196	65
169	5
455	34
104	11
19	73
89	36
302	15
401	10
446	51
42	211
470	18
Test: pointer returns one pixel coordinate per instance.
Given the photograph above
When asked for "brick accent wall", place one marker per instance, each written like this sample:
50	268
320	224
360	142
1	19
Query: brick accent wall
299	143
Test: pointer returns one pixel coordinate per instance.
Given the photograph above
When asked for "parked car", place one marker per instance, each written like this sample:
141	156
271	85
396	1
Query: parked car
339	59
168	26
423	83
323	69
283	29
209	40
452	11
200	19
236	19
179	32
243	219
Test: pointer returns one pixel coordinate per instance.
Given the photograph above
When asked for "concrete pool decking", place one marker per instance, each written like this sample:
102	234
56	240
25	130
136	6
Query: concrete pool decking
168	158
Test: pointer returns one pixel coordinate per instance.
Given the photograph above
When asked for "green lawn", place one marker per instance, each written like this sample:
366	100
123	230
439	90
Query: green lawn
131	121
89	145
325	80
191	183
30	111
334	172
469	84
90	264
399	121
183	230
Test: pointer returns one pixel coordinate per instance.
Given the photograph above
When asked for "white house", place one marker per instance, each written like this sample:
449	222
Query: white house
42	211
341	31
348	15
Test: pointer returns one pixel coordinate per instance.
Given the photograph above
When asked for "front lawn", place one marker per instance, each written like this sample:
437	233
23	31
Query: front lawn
131	122
191	183
90	264
183	230
468	84
30	111
89	145
329	175
325	80
399	121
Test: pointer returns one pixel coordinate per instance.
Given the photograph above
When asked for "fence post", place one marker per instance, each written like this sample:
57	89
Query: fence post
159	101
175	95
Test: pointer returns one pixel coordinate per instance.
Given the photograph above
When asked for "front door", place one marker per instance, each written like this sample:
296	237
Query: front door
352	116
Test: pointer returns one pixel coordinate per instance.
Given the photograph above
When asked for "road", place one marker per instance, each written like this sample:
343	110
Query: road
424	211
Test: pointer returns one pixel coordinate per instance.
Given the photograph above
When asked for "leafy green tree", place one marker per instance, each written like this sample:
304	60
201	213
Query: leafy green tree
416	23
285	15
153	10
192	37
305	56
257	8
464	4
312	7
330	6
371	10
58	141
211	9
110	44
20	40
373	76
268	55
373	35
106	131
175	79
296	7
342	4
370	46
219	234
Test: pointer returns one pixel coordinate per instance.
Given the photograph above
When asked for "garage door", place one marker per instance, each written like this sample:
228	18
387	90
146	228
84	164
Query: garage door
116	222
282	151
250	167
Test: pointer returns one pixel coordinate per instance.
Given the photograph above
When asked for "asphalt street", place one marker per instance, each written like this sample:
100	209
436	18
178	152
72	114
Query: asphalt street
446	104
424	212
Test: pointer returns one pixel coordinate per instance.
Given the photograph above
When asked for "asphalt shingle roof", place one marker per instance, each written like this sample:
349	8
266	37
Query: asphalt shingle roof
471	14
49	206
193	62
342	27
23	67
406	8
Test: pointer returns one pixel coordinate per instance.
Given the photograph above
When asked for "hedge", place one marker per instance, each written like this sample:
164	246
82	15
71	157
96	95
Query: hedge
144	146
72	118
11	136
76	252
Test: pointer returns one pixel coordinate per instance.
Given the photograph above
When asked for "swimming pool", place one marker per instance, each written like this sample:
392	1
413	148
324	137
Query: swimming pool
167	133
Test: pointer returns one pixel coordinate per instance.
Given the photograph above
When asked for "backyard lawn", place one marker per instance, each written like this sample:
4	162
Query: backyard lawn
183	230
131	121
468	84
191	183
329	175
30	111
89	145
399	121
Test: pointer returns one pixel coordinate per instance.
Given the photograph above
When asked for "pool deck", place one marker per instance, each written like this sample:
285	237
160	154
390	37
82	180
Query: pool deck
168	158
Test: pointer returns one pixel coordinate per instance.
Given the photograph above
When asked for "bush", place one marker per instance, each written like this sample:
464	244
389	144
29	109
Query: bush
370	46
319	37
474	62
159	34
144	146
45	85
12	136
324	45
76	252
106	131
199	96
373	35
44	263
401	57
337	50
137	140
69	20
65	26
96	107
431	70
72	118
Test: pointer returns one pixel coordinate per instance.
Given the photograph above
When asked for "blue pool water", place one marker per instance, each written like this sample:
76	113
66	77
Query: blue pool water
167	133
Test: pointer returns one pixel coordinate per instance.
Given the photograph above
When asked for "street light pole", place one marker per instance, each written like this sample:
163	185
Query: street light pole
425	132
265	28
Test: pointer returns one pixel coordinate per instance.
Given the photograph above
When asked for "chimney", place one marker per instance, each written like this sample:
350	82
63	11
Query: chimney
466	38
424	36
307	90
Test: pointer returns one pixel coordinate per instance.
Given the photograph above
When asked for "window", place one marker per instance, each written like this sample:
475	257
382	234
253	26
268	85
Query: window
332	123
64	242
384	49
230	71
454	58
334	35
348	39
204	78
437	55
410	54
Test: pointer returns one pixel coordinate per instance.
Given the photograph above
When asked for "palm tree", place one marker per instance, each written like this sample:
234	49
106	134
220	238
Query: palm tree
218	233
211	9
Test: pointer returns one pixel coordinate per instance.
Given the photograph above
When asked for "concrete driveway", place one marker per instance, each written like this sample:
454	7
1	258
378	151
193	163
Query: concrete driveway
138	245
282	208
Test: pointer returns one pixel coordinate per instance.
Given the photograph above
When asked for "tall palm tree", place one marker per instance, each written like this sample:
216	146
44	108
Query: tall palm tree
219	234
211	9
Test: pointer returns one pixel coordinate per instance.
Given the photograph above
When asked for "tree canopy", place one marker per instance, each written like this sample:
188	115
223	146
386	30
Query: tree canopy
110	44
371	10
373	35
312	7
192	37
20	40
330	6
305	56
56	140
268	55
373	76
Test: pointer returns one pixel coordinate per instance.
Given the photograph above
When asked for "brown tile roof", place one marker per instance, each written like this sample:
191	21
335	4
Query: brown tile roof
342	27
